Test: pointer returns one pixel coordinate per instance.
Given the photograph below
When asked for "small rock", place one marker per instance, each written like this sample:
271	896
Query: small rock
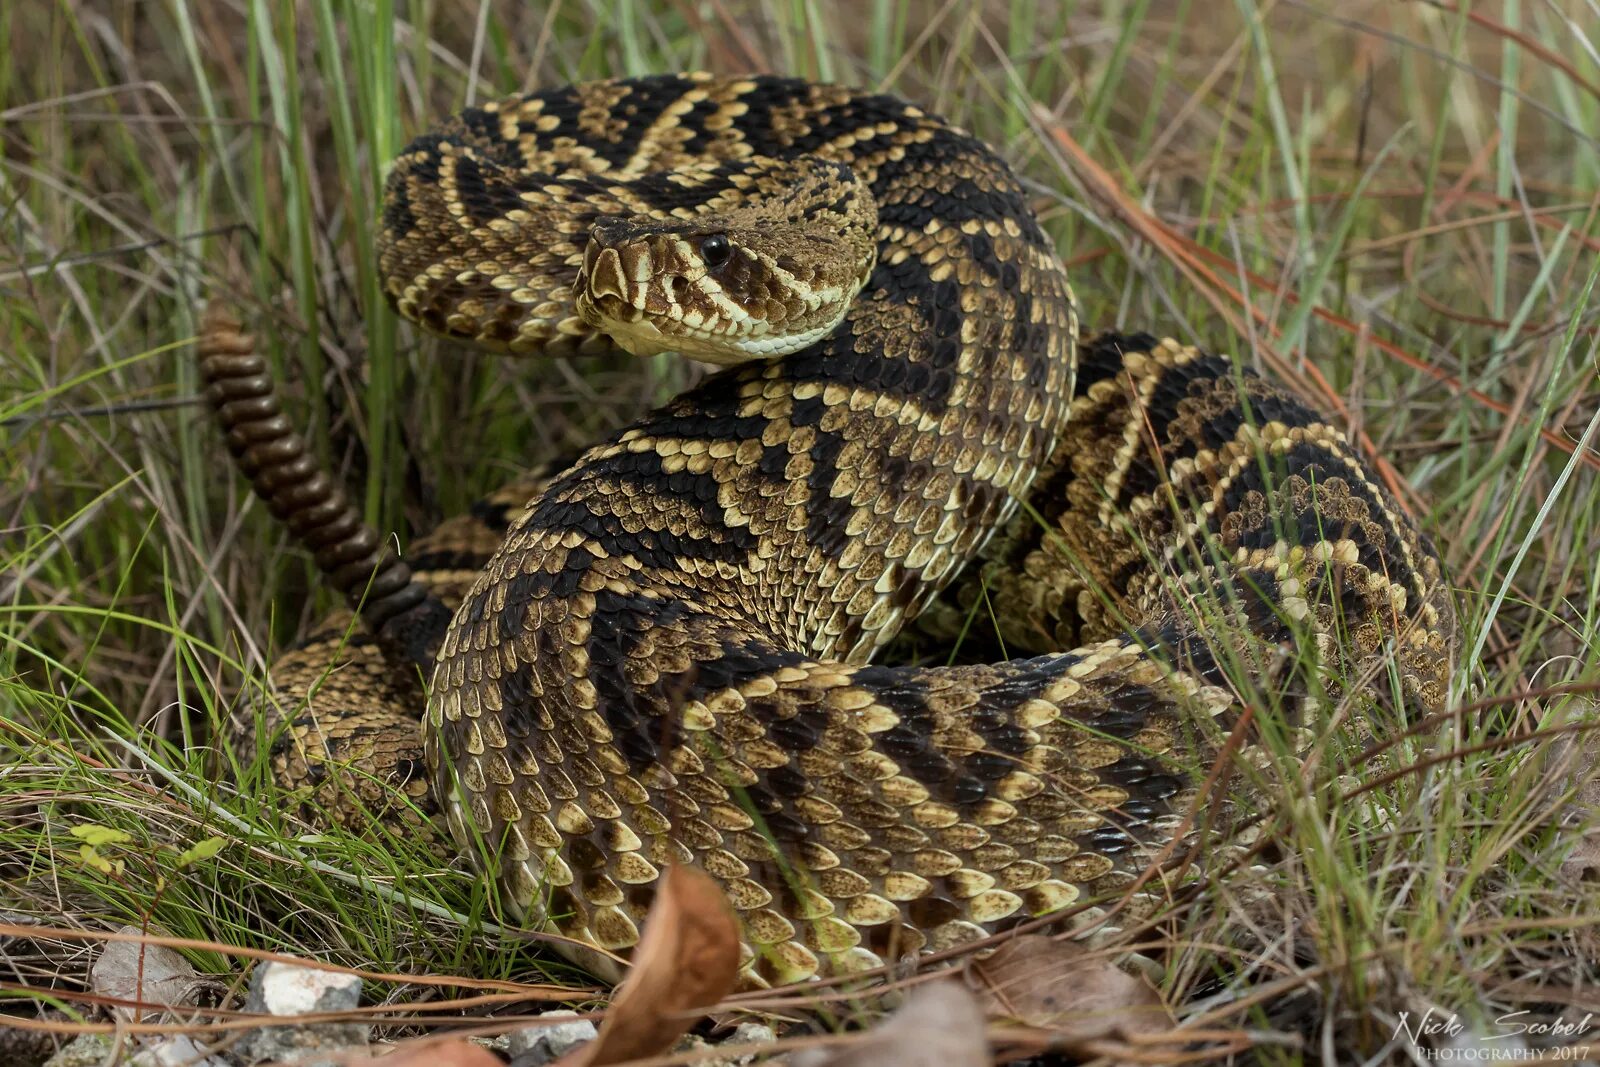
436	1054
28	1048
748	1033
285	990
535	1046
752	1034
150	974
176	1052
85	1050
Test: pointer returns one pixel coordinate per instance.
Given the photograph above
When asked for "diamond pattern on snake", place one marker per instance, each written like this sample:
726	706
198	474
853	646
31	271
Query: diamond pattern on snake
667	651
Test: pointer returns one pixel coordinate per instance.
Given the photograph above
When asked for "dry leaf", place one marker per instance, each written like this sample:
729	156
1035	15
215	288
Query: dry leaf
686	962
151	974
941	1025
1062	987
1570	764
437	1054
1583	862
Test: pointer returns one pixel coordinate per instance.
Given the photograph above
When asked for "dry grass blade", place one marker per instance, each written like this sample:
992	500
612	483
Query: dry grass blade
686	962
1081	997
1196	265
941	1025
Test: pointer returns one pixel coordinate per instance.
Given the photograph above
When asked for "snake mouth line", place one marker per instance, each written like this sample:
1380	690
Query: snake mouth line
601	311
607	300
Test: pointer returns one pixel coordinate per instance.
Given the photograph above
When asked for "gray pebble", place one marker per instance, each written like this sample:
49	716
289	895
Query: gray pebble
285	990
176	1052
85	1050
752	1034
535	1046
746	1033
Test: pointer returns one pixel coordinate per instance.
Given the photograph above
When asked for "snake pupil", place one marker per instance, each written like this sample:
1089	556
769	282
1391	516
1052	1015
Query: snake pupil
715	250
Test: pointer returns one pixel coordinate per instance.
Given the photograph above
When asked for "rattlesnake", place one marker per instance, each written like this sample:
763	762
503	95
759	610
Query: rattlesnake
665	656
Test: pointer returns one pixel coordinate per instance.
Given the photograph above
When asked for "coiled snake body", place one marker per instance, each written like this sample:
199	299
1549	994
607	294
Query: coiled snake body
667	658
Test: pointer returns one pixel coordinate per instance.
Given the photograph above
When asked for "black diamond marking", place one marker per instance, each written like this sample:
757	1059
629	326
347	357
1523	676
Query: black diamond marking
638	110
644	721
398	218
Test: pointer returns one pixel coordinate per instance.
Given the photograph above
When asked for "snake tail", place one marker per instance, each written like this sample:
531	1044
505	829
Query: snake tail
407	618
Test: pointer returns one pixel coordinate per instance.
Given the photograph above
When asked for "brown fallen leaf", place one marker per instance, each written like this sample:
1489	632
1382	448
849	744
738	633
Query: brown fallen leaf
941	1025
152	975
437	1054
1583	862
1570	764
686	962
1060	986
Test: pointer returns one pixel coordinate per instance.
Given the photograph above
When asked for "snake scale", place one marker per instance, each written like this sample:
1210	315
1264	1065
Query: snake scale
663	653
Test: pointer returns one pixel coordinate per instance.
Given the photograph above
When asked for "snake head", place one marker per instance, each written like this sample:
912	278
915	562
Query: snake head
766	261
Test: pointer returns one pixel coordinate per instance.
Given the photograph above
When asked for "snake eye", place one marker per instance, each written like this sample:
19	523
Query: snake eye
715	250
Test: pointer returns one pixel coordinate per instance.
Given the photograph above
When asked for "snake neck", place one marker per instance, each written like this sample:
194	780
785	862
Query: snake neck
823	498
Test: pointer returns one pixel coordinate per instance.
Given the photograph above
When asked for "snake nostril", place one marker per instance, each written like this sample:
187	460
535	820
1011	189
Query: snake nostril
605	275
